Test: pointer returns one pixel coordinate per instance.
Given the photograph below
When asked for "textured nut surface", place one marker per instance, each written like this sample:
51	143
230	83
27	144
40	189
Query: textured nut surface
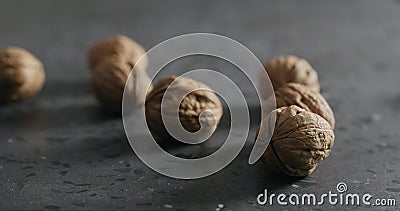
286	69
21	74
300	141
300	95
111	62
120	46
190	107
108	82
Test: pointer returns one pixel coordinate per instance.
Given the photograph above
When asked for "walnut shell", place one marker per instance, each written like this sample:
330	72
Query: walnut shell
119	46
21	74
111	62
300	95
300	141
286	69
108	82
190	107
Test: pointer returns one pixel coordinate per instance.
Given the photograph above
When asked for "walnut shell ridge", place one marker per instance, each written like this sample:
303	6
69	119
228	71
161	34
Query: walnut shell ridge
22	75
301	140
300	95
190	107
290	69
111	61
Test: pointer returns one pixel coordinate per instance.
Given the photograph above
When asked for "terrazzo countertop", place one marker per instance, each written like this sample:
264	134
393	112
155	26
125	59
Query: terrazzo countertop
60	150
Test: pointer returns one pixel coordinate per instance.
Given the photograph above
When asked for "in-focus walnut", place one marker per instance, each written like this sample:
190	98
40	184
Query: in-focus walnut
286	69
111	61
190	108
300	141
21	74
300	95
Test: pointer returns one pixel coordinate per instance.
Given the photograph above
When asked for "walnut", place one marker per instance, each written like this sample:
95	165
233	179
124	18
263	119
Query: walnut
286	69
119	46
300	141
21	74
190	108
111	62
300	95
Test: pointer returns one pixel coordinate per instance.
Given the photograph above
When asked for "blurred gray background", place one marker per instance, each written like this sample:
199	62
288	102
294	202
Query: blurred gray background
61	151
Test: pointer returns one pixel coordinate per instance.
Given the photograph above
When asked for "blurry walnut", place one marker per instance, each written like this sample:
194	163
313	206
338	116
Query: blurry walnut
190	108
21	74
108	82
286	69
300	141
111	62
119	46
297	94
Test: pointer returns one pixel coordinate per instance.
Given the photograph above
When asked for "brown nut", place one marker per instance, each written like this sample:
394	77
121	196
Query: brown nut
286	69
190	108
109	79
120	46
21	74
301	140
111	62
300	95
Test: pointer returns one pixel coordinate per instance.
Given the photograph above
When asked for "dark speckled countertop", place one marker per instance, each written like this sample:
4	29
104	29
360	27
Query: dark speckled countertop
59	150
